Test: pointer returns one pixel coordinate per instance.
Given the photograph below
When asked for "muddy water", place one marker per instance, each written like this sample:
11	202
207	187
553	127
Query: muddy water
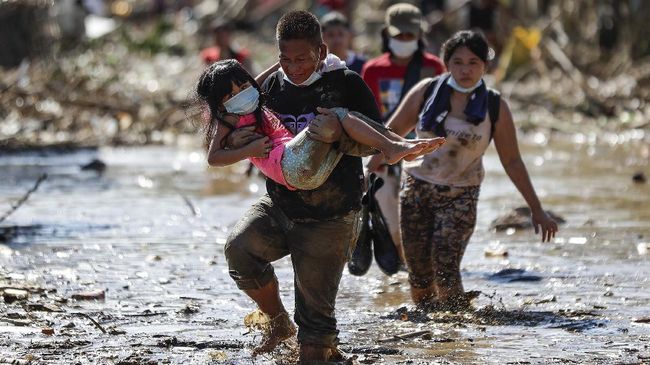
150	231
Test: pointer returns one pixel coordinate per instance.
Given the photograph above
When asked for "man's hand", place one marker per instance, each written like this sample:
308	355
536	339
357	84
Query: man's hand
241	137
325	127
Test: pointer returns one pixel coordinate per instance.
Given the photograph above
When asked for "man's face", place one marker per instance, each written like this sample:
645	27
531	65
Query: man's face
337	38
299	58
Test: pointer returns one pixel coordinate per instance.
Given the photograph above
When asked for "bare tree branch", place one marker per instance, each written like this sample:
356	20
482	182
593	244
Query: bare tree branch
24	198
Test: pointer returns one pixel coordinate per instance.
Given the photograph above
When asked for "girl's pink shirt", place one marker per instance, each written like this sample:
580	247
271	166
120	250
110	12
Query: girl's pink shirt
270	166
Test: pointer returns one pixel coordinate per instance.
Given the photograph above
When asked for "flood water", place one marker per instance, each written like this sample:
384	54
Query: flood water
150	231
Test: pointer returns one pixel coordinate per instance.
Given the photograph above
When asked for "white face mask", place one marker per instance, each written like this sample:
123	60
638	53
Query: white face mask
456	86
403	49
243	103
315	76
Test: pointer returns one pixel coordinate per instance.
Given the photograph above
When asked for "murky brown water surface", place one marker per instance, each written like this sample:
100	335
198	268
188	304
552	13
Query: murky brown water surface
133	231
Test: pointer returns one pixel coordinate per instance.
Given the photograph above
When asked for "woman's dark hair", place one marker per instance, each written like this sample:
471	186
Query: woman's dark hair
474	41
385	38
214	84
299	24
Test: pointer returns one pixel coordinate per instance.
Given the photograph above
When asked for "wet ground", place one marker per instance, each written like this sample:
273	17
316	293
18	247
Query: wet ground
149	231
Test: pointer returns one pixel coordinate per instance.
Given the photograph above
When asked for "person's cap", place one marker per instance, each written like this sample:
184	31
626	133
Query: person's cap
403	18
334	18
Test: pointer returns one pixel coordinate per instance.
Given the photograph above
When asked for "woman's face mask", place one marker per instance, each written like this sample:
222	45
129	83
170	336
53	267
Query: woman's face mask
456	86
243	103
402	49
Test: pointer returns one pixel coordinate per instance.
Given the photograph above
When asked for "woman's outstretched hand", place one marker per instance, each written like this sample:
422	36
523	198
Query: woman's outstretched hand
544	223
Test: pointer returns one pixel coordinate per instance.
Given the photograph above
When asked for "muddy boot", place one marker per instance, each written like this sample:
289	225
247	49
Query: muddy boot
280	329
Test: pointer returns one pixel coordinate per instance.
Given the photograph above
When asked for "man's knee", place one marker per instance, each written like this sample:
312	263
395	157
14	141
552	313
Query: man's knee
234	252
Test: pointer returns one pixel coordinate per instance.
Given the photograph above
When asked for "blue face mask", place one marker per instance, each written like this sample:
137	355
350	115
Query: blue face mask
454	85
243	103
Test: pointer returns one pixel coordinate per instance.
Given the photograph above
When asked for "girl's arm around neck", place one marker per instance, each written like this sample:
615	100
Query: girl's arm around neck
219	156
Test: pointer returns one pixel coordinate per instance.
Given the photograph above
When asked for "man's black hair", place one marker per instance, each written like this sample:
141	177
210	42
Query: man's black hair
299	24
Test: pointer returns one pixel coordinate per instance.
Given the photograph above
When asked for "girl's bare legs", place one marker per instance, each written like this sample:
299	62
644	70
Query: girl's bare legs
394	147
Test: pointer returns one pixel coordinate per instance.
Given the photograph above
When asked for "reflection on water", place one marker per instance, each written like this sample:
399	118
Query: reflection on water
150	229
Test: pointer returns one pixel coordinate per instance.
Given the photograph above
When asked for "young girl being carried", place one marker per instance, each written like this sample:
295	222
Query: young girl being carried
234	101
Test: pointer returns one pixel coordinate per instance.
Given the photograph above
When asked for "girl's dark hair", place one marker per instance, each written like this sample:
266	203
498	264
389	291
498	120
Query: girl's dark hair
214	84
474	41
299	24
385	38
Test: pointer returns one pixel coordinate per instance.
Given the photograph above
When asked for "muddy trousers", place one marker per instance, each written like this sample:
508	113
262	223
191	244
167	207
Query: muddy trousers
318	249
436	223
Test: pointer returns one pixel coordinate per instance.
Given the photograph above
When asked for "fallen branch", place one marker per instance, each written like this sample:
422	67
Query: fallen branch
146	314
24	198
8	360
195	211
92	320
16	322
217	344
404	336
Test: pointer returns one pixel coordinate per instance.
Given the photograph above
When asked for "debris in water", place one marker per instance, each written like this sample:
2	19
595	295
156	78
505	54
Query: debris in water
94	165
519	218
549	299
379	350
405	336
175	342
218	356
12	295
642	248
495	249
98	294
639	177
513	275
49	331
39	307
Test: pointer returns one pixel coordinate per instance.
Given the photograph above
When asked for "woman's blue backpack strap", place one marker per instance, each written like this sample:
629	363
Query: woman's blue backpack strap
494	102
